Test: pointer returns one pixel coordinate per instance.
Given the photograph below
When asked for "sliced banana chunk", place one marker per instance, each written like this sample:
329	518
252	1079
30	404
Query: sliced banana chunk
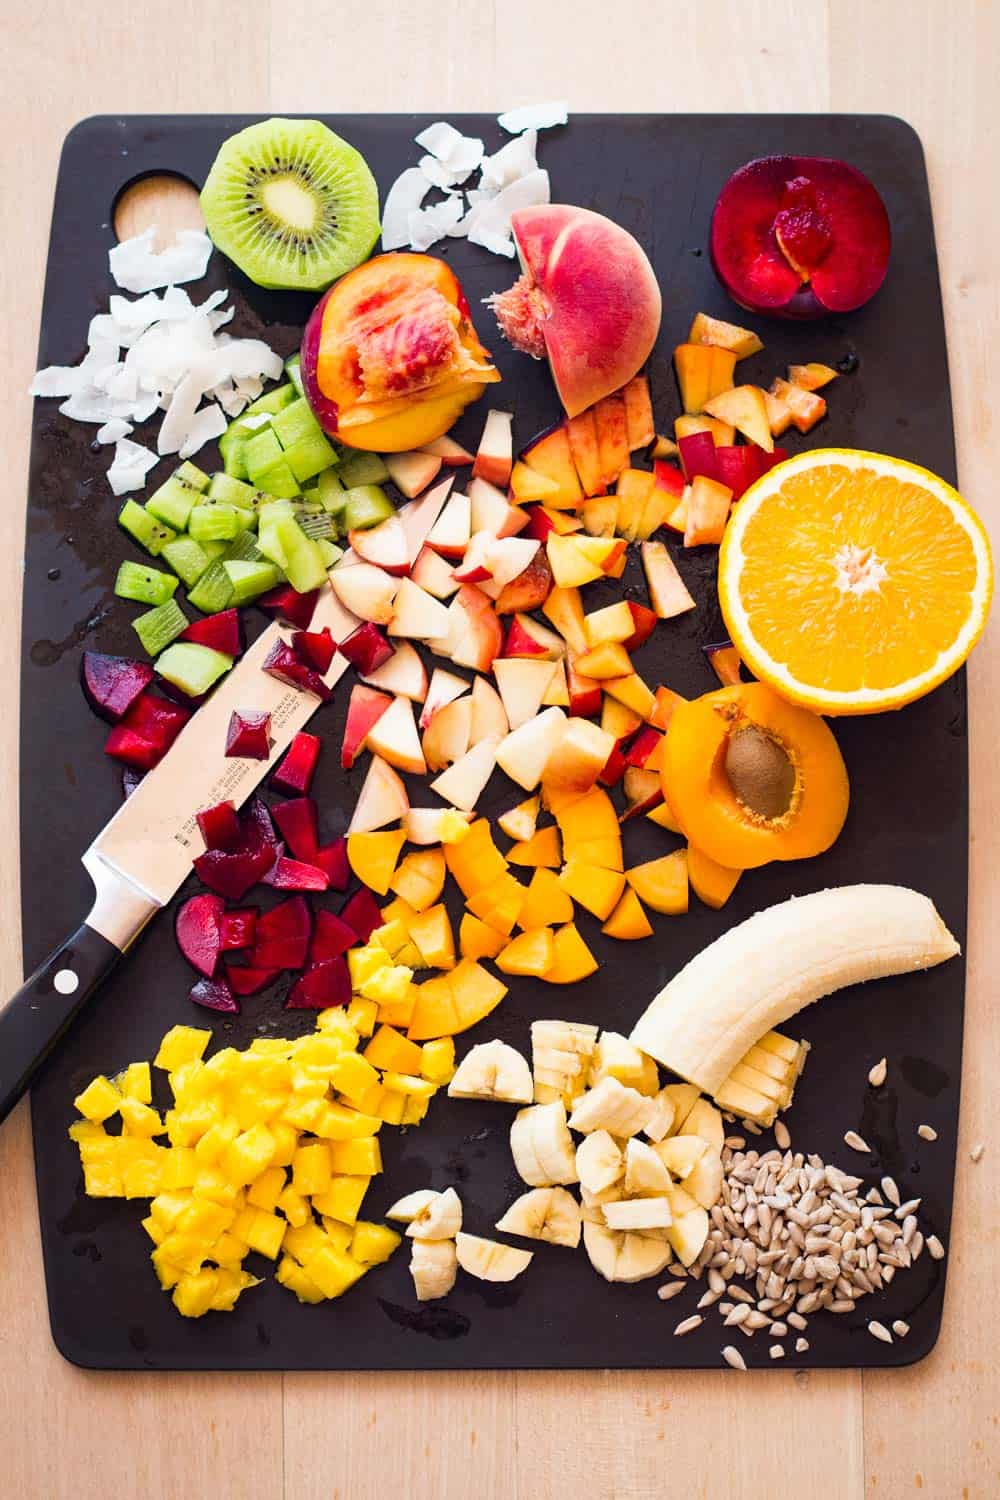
599	1161
412	1206
645	1172
542	1146
610	1106
438	1220
704	1181
433	1266
550	1214
680	1153
689	1230
705	1120
660	1122
489	1260
621	1256
616	1057
493	1070
638	1213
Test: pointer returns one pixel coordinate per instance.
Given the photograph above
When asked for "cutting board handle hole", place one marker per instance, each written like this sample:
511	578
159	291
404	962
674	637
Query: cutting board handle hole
161	199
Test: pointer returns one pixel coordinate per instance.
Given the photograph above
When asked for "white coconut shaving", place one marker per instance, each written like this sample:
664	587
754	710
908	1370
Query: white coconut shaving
534	116
131	463
403	199
461	154
137	267
428	225
490	219
516	159
159	353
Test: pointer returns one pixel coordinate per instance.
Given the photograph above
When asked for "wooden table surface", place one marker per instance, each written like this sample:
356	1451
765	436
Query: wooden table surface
68	1433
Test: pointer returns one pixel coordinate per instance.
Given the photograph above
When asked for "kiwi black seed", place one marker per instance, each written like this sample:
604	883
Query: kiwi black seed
760	772
292	204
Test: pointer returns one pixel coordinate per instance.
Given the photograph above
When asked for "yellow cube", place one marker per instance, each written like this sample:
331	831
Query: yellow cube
83	1131
305	1241
166	1208
194	1293
266	1190
406	1083
337	1022
187	1126
292	1276
392	936
293	1206
414	1110
191	1081
308	1084
139	1119
312	1168
392	1106
185	1251
99	1100
227	1250
362	1015
339	1235
388	1048
102	1180
180	1045
333	1271
453	826
352	1075
373	1243
341	1123
249	1155
364	962
180	1168
437	1060
399	1013
361	1158
142	1179
229	1285
286	1140
270	1046
213	1183
303	1113
155	1231
266	1233
387	986
205	1218
167	1272
216	1141
342	1200
318	1053
136	1082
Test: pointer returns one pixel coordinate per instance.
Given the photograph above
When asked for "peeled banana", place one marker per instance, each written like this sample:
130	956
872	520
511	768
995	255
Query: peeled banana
542	1146
621	1255
440	1219
599	1161
433	1266
550	1214
493	1070
560	1058
644	1170
769	967
610	1106
489	1260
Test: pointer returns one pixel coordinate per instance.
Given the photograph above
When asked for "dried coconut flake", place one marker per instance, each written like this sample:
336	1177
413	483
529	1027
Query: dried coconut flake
403	199
534	116
137	267
489	221
132	462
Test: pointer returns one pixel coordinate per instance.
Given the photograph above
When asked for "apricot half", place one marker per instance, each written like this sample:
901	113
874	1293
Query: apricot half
389	355
751	778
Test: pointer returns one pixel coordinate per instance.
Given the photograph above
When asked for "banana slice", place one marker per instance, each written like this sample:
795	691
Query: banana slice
767	968
599	1161
568	1036
492	1070
489	1260
412	1206
689	1230
639	1213
550	1214
704	1181
644	1170
615	1057
433	1266
620	1256
560	1056
661	1120
438	1220
680	1153
705	1120
594	1203
610	1106
683	1097
542	1146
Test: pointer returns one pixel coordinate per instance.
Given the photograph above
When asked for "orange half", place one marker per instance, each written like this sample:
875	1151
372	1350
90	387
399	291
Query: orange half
853	582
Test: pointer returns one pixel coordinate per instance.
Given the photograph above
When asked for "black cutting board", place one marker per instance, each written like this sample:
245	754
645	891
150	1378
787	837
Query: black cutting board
658	175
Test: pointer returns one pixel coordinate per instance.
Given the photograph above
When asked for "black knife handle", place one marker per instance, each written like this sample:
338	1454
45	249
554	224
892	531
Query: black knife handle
44	1006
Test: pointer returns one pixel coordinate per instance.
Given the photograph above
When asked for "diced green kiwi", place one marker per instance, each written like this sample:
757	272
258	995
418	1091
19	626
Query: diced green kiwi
145	528
358	467
172	502
213	591
364	507
215	523
192	667
317	524
291	203
250	579
266	467
188	558
329	553
293	369
225	490
144	584
238	434
158	627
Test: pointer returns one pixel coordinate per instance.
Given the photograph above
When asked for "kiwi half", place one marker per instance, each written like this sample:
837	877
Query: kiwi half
292	204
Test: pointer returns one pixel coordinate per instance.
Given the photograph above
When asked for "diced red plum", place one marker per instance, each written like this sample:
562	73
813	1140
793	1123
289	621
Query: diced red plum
800	237
219	825
539	524
324	984
332	860
257	823
293	875
316	648
283	601
130	780
233	872
331	937
362	912
237	929
296	771
698	456
768	460
282	937
197	930
299	826
247	981
367	648
283	663
156	720
215	994
221	632
124	744
249	735
614	768
642	746
739	467
113	683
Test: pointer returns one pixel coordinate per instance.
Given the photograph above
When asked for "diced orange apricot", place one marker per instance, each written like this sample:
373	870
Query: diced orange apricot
532	952
545	905
628	921
811	377
434	1013
663	815
390	1049
572	959
432	934
591	816
476	992
726	664
666	703
419	879
596	889
476	861
373	856
744	408
476	939
703	371
806	408
662	883
779	414
542	849
606	853
499	904
712	883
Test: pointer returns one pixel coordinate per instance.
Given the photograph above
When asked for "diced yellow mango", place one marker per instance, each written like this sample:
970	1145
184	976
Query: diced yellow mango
388	986
339	1235
266	1233
312	1168
362	963
139	1119
292	1276
437	1060
360	1158
414	1110
306	1240
363	1015
432	935
230	1284
136	1082
333	1271
351	1075
99	1100
398	1012
249	1155
373	1243
391	1106
205	1219
342	1200
266	1190
342	1122
373	856
180	1045
336	1022
293	1206
410	1084
388	1048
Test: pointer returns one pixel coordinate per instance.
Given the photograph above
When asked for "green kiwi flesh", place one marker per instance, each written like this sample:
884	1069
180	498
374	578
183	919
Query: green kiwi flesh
291	204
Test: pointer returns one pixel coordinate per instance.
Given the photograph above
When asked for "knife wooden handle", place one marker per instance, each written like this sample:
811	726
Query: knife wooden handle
42	1009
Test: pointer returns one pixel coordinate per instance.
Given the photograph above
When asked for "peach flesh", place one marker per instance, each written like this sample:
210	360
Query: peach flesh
588	299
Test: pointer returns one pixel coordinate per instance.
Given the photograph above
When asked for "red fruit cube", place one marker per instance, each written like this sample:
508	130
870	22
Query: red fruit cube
298	823
221	632
296	771
332	859
283	664
316	648
366	648
284	602
124	744
292	875
698	456
237	929
331	937
324	984
245	980
219	825
362	912
249	735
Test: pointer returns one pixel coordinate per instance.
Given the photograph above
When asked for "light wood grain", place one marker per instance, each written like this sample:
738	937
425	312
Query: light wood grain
621	1436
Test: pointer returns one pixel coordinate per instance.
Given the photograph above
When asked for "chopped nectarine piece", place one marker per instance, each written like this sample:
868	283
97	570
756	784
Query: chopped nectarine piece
628	921
779	414
545	905
668	592
582	431
638	412
642	791
706	330
662	883
528	484
725	661
542	849
722	433
578	756
551	456
572	959
478	940
666	703
499	905
812	377
707	512
596	889
712	883
807	409
600	516
744	408
557	692
562	523
564	609
663	447
610	659
703	371
618	720
373	856
663	815
476	861
659	505
432	934
634	489
531	952
614	623
612	436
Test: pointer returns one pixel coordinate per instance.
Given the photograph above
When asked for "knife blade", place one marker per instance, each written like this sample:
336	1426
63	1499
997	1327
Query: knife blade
143	855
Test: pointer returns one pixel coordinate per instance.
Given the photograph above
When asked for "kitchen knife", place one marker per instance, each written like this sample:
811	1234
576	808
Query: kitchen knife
142	857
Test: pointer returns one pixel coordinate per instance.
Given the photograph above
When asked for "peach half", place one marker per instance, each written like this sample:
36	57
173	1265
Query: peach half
389	355
588	300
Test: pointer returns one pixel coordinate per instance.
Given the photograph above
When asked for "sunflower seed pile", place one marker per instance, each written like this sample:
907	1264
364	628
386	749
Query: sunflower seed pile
805	1237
